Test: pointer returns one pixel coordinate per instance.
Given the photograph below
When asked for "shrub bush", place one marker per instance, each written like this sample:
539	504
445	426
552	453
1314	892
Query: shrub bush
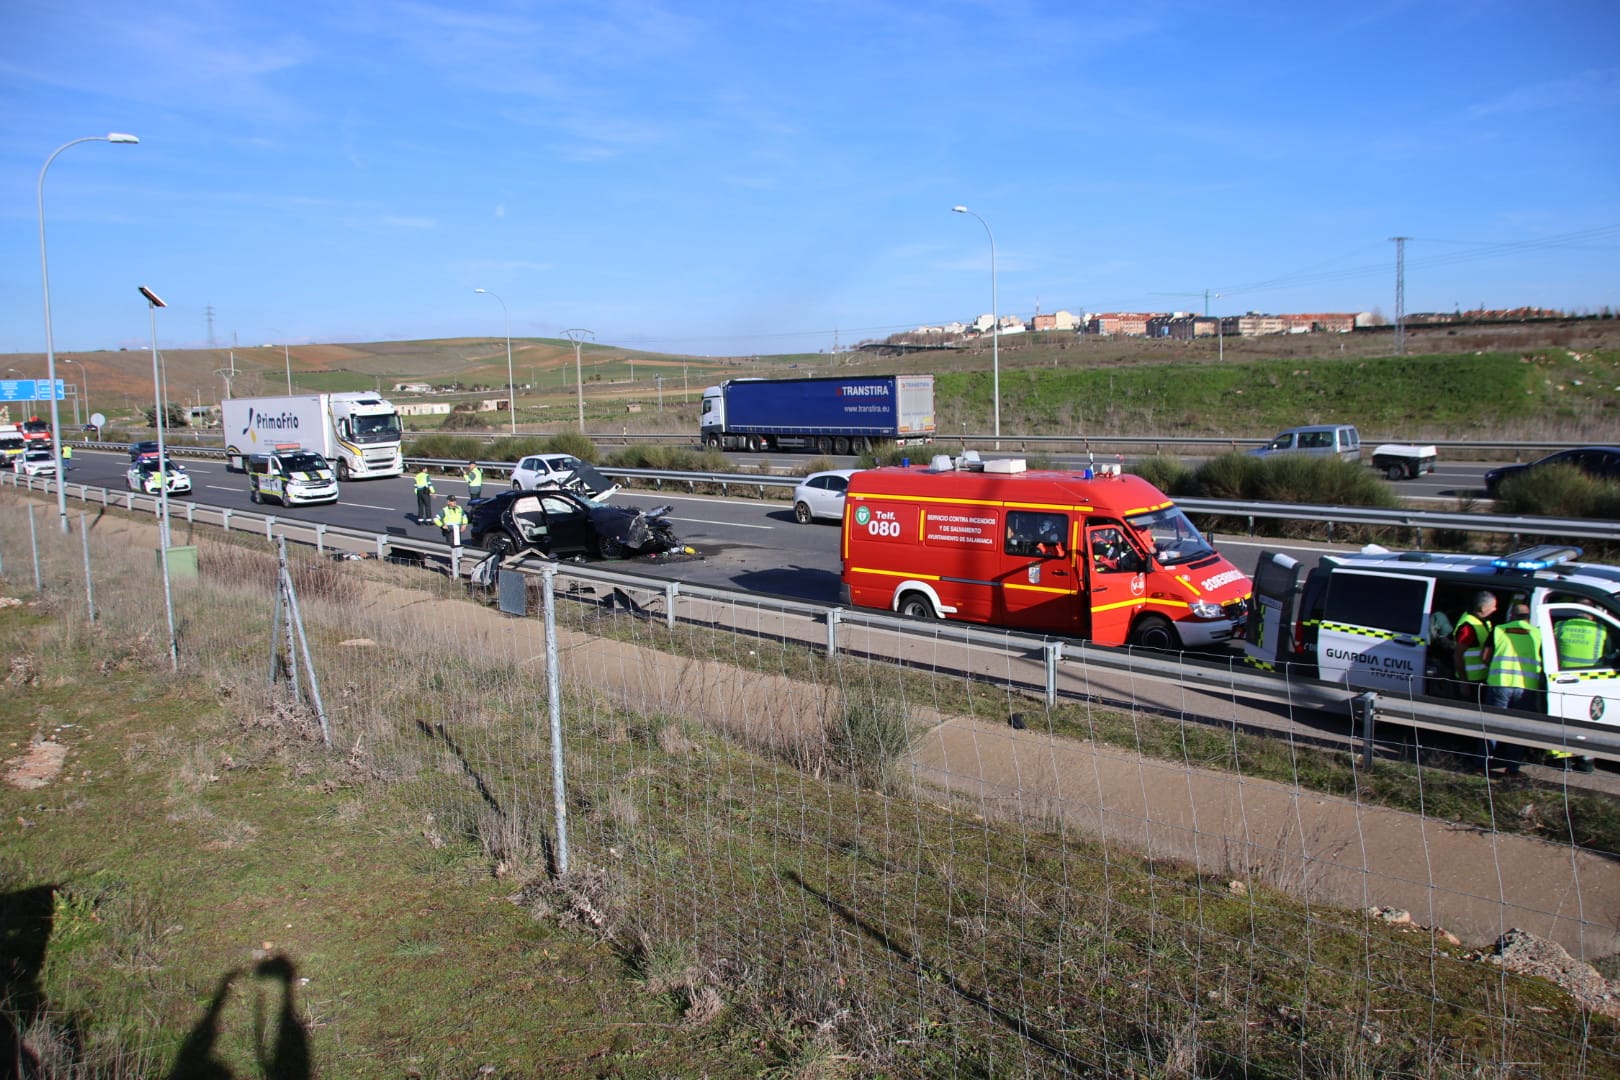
467	420
1559	491
1166	473
447	447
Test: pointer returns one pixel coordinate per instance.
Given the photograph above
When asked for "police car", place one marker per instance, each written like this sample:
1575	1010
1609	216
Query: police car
1383	620
292	476
145	475
34	462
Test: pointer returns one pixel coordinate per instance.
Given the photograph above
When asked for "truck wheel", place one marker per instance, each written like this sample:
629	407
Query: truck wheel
343	472
712	442
840	445
1155	632
823	445
801	513
233	460
915	605
754	444
1396	471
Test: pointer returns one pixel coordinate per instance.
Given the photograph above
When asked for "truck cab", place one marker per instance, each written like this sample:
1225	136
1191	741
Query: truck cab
1382	620
291	476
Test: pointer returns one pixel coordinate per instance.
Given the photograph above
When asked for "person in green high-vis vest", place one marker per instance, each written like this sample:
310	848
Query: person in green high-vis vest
424	497
1513	678
1473	637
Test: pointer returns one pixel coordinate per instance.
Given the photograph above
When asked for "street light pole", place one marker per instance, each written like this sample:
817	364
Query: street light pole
578	337
50	346
511	382
286	355
84	375
152	304
995	324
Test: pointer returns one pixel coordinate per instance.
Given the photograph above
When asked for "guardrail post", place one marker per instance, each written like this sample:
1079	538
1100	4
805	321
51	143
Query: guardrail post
834	617
672	589
382	547
1330	532
1365	709
320	538
1251	524
269	528
1054	655
191	513
225	518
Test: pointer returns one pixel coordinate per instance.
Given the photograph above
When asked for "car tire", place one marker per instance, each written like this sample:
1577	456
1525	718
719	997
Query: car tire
254	496
1155	632
914	605
1396	471
497	544
609	548
801	513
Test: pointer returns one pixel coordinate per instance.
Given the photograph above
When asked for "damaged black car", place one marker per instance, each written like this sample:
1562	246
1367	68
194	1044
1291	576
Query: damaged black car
563	524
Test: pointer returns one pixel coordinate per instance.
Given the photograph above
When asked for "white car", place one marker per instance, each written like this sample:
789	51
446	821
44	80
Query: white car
561	471
34	463
821	495
143	475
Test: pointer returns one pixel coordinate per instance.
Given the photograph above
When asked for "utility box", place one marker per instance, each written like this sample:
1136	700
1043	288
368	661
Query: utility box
182	562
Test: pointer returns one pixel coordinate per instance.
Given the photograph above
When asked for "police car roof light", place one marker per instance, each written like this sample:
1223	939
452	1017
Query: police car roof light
1539	557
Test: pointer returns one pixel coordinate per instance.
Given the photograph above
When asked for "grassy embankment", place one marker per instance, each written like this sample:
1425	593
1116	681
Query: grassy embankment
732	912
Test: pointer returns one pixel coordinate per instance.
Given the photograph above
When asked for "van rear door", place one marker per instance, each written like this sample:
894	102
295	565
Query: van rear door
1268	639
1578	690
1374	631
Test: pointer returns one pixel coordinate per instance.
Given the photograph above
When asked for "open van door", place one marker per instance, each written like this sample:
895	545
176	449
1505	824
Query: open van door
1268	636
1374	633
1577	688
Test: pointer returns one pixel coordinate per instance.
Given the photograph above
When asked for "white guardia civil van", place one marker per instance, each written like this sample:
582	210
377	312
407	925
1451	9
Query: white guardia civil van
1383	620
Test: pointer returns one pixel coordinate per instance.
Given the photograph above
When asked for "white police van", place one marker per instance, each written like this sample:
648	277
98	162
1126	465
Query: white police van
1382	620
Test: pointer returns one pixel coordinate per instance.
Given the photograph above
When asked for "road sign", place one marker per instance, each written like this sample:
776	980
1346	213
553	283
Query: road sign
30	390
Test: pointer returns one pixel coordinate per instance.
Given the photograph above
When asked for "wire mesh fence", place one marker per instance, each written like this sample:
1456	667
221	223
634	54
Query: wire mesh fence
921	868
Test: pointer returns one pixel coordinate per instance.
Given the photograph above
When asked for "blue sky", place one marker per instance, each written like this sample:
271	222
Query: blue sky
735	178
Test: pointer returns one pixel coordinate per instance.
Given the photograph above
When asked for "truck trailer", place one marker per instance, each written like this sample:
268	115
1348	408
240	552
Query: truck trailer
828	415
359	433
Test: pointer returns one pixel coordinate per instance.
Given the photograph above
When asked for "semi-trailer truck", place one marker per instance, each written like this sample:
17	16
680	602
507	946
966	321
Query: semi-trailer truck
358	433
828	415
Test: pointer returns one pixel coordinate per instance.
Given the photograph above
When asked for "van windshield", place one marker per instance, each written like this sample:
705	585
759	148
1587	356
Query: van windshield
1175	538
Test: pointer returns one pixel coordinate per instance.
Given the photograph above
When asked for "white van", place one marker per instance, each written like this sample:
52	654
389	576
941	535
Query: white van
1317	440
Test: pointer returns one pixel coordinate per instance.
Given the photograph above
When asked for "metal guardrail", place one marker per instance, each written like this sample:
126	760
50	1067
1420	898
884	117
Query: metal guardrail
1419	520
1209	673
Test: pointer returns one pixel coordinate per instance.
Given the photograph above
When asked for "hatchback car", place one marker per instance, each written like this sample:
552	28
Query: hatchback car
821	495
144	448
34	463
1598	462
1315	440
540	471
144	475
563	524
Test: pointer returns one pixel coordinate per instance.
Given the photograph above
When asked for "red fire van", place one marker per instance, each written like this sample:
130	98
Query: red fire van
1107	557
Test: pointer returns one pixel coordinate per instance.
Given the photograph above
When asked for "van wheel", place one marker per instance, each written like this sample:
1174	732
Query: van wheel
916	606
1395	472
1154	632
254	496
801	513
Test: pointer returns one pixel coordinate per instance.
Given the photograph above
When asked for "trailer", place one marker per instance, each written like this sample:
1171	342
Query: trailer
827	415
359	433
1401	461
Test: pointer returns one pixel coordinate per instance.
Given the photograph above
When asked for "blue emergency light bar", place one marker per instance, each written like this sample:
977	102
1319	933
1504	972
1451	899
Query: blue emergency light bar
1537	558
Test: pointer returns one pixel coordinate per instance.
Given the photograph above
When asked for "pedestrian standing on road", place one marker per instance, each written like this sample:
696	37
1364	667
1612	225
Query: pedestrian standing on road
451	517
1513	679
475	480
424	497
67	457
1473	637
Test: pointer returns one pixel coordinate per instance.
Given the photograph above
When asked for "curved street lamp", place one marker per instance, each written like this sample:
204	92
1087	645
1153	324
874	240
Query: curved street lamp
153	302
511	383
50	347
995	324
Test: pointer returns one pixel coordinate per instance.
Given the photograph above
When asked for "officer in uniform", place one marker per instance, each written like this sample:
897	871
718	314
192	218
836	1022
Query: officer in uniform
475	480
1514	674
424	496
1583	643
452	516
1473	638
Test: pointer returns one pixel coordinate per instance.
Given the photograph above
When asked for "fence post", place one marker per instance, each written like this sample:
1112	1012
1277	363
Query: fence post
1054	654
559	794
672	589
320	538
33	544
1365	708
89	585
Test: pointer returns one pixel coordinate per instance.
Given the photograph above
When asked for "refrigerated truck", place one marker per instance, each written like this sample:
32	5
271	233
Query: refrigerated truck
359	433
827	415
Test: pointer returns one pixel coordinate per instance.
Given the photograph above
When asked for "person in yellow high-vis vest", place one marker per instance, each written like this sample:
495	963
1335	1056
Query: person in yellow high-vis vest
451	518
474	475
1583	644
1513	678
1473	637
424	496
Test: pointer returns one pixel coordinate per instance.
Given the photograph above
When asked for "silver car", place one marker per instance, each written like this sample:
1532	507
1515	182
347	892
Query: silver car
821	496
540	471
